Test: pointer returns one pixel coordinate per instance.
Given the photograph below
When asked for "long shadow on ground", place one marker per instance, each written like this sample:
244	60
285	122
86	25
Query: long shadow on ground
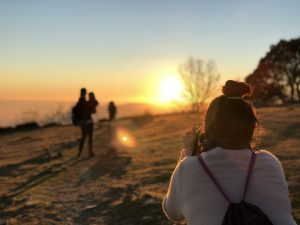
17	169
110	164
34	174
34	180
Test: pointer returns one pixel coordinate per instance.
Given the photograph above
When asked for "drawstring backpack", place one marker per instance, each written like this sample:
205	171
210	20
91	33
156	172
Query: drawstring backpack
242	213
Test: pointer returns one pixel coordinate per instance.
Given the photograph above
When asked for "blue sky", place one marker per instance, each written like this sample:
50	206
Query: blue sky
48	48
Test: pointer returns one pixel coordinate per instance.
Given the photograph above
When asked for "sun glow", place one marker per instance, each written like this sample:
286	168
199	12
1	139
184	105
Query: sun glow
170	89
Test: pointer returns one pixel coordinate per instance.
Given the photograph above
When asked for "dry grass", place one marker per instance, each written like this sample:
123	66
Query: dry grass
42	182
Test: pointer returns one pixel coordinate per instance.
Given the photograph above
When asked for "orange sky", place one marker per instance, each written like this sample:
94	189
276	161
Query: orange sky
122	51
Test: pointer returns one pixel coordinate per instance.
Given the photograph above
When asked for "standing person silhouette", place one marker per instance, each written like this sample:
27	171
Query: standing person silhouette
112	111
86	122
93	103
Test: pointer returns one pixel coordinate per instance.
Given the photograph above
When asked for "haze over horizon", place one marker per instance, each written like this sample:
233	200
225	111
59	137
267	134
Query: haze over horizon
126	50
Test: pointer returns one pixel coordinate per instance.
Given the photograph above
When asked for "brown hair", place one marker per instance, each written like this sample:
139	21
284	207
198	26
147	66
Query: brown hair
230	120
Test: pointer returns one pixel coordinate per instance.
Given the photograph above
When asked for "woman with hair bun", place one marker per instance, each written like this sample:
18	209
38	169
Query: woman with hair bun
220	169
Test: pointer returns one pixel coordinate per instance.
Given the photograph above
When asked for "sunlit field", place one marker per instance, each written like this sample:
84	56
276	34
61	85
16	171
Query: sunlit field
42	181
130	78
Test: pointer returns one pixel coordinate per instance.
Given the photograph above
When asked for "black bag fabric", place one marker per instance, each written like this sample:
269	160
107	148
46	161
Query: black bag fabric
75	115
242	213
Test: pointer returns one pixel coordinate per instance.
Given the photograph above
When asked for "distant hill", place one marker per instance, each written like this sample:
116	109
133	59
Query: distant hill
132	109
13	113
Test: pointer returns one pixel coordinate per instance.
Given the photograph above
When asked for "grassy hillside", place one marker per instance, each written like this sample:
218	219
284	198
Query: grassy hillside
42	181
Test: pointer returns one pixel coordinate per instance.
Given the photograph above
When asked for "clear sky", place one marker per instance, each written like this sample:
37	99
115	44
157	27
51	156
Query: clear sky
122	49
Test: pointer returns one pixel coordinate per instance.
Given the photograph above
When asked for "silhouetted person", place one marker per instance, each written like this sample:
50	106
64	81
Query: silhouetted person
112	111
86	122
93	103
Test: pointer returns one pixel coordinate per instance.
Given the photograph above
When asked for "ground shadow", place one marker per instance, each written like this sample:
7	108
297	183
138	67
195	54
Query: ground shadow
111	164
14	169
110	196
36	179
47	156
135	209
124	206
36	171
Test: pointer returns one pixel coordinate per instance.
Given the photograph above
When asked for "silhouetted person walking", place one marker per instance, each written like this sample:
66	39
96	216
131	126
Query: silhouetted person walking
86	122
112	111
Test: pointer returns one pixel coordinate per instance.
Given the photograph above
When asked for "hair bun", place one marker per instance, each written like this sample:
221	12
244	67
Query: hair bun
236	89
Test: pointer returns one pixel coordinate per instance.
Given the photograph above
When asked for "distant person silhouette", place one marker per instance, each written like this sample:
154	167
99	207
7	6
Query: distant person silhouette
93	103
112	111
86	122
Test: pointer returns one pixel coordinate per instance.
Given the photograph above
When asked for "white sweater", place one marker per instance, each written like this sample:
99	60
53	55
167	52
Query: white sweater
193	196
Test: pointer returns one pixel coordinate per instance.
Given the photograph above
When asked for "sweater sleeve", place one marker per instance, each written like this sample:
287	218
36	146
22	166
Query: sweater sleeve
172	201
279	190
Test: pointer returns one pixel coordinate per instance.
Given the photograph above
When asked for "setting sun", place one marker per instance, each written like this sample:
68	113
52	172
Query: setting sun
170	89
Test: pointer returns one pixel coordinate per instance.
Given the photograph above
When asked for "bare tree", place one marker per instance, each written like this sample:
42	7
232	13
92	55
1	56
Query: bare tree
200	79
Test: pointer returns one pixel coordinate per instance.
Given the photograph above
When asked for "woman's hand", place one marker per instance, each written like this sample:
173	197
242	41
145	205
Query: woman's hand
188	142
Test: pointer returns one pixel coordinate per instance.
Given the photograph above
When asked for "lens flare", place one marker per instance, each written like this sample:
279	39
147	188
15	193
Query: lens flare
125	138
